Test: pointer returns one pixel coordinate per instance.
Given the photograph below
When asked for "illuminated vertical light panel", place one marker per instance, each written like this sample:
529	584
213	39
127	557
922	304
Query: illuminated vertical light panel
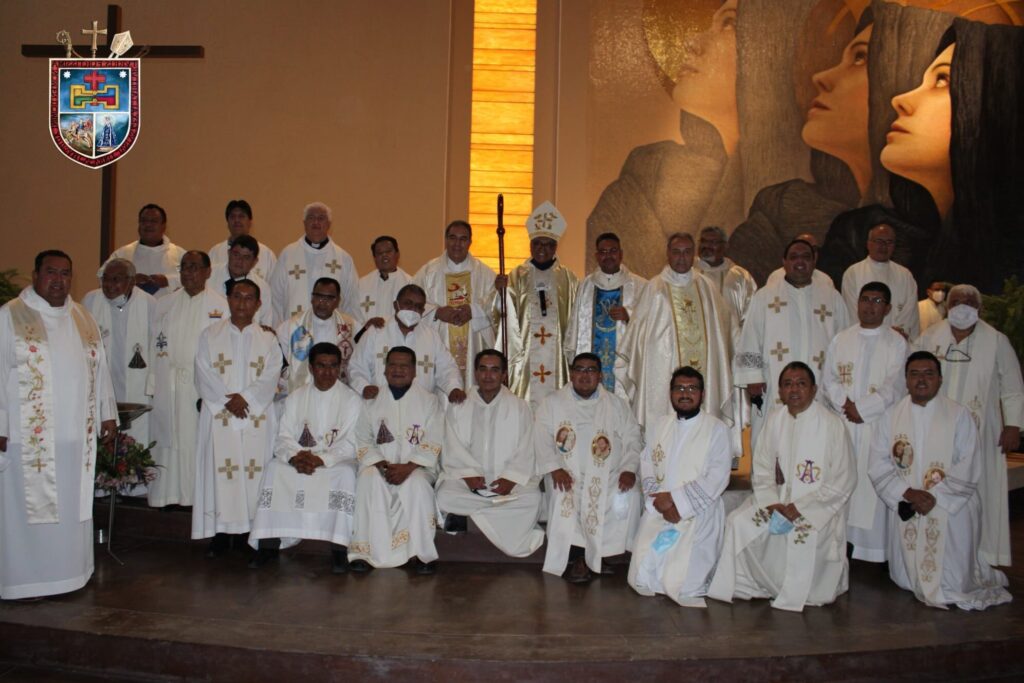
501	130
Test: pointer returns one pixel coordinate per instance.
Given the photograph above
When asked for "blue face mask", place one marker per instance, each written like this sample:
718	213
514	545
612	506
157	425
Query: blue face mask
778	524
665	540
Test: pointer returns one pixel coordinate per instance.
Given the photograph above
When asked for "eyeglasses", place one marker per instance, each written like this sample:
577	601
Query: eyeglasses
687	389
873	300
587	370
609	252
955	355
324	297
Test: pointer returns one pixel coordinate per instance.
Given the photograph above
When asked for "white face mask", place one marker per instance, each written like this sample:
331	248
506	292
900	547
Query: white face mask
938	296
963	316
408	318
120	301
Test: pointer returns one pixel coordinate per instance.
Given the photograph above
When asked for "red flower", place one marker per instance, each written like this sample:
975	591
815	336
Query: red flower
122	467
38	430
32	348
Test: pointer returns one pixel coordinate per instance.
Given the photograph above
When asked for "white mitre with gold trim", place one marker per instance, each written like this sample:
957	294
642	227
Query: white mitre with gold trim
546	221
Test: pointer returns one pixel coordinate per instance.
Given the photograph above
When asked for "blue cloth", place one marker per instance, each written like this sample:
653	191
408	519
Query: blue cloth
603	342
779	525
301	342
665	540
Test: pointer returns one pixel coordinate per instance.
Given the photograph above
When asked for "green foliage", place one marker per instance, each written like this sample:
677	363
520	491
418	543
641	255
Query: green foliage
1005	312
10	286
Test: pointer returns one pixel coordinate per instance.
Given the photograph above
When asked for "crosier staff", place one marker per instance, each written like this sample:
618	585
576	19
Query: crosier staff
501	271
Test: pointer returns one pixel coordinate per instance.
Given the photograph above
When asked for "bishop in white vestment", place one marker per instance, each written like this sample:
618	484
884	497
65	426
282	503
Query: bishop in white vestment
488	464
55	399
787	542
588	443
398	442
982	373
378	289
684	470
862	379
879	267
237	367
925	464
323	322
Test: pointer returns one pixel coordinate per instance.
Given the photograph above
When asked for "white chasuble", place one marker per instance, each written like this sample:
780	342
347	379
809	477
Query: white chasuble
595	440
935	448
982	374
394	523
298	268
162	259
493	440
866	367
436	370
806	460
180	319
377	295
298	334
904	313
735	284
690	459
233	451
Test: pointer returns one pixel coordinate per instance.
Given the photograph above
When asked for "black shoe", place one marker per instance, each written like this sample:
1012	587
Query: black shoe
218	545
577	572
339	560
455	524
360	566
269	548
426	568
607	569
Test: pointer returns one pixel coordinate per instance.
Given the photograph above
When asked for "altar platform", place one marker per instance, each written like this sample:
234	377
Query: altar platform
171	614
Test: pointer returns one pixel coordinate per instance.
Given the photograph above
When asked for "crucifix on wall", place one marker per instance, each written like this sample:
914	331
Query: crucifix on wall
108	192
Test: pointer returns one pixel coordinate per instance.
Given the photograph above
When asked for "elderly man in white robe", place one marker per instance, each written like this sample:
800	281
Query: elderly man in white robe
489	465
180	318
925	465
734	283
588	445
237	367
379	287
684	470
55	399
460	298
323	322
982	373
862	379
125	315
238	215
601	313
680	320
311	257
309	487
879	267
242	259
398	443
437	370
787	542
156	258
792	318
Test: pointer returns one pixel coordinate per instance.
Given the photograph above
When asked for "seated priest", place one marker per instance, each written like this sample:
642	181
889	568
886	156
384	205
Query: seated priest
309	487
398	442
926	466
787	542
683	471
488	466
588	442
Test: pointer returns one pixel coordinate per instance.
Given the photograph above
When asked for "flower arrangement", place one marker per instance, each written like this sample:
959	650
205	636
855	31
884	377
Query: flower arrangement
133	465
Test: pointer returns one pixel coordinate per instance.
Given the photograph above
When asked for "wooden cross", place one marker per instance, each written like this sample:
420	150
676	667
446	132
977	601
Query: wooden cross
228	468
108	190
822	313
382	356
297	272
256	419
367	304
541	373
426	364
542	335
818	359
252	468
39	464
224	416
221	363
777	305
779	351
258	366
333	266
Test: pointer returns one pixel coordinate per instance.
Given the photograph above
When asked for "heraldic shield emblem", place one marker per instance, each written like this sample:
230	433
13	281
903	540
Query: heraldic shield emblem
94	108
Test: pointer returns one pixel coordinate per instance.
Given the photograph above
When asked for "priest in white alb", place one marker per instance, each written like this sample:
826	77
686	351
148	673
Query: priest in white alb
926	465
55	399
932	308
241	264
379	287
436	372
238	215
539	295
180	318
787	542
684	470
398	443
237	367
605	303
311	257
309	487
862	379
734	283
460	297
792	318
488	464
323	322
588	445
879	267
156	258
125	315
982	373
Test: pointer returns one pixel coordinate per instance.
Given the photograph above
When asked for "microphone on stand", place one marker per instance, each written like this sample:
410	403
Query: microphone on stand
542	292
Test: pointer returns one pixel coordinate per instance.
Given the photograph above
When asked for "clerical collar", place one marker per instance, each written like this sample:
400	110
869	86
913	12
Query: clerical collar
545	266
678	279
592	397
398	392
317	245
687	415
870	332
383	276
